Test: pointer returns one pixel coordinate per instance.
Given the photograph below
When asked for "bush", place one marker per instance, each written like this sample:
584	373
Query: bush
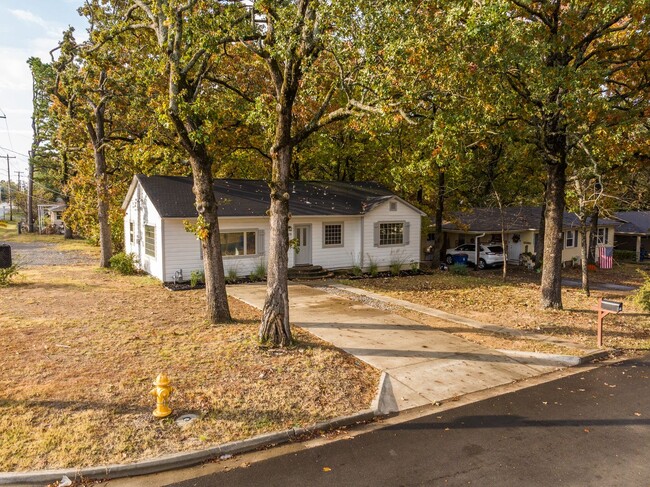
373	267
259	273
625	255
124	263
459	269
197	277
642	296
232	275
357	271
7	274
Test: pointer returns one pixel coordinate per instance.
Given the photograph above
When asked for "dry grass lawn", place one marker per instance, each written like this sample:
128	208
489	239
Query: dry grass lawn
81	346
484	297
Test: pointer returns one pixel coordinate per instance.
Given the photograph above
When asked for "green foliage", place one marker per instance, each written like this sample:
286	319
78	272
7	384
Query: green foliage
231	275
124	263
259	273
7	274
373	267
197	277
357	270
459	269
642	296
625	255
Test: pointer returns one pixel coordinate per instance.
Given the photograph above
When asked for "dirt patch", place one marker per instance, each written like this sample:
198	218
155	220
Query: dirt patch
483	296
81	347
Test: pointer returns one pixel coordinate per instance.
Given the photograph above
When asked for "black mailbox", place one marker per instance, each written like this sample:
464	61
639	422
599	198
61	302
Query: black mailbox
613	306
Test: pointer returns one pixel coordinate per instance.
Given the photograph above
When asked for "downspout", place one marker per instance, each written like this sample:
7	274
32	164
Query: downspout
363	229
477	250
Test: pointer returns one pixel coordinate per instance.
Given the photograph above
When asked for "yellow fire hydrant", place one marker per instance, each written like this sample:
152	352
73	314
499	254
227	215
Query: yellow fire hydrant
162	391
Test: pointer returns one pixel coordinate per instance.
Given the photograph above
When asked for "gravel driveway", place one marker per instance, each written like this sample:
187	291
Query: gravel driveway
40	253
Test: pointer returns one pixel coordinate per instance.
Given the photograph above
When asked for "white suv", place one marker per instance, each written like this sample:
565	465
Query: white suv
490	255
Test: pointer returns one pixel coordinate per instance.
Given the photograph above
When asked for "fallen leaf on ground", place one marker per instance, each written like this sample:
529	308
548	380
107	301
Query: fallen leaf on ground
327	469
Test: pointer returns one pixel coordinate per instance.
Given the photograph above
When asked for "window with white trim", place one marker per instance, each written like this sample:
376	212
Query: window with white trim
150	240
391	233
570	239
332	234
238	243
131	232
602	236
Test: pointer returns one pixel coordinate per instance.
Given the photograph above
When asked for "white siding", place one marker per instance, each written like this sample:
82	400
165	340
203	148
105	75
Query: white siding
386	255
340	257
183	250
142	212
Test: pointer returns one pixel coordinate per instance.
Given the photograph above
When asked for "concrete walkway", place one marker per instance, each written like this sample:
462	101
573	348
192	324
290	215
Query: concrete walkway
423	365
464	320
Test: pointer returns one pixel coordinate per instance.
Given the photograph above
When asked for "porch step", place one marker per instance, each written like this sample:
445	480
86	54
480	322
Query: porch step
307	272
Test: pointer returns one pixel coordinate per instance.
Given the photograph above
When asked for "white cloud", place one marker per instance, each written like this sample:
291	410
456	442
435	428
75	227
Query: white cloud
49	27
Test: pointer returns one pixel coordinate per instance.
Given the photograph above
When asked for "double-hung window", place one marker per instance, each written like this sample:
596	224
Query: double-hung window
602	236
570	239
131	232
150	240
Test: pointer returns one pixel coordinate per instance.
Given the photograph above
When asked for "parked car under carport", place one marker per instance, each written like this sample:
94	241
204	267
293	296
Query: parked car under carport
491	255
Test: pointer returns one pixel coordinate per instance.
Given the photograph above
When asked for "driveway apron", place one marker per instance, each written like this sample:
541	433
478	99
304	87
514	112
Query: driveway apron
423	365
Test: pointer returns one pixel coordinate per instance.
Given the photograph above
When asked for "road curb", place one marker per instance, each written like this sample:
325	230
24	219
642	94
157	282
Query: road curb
555	359
187	459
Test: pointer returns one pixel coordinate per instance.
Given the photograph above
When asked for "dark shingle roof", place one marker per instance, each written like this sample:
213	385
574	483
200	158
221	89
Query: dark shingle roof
634	222
518	218
173	198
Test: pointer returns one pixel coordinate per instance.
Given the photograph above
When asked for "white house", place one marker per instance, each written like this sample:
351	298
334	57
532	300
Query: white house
335	225
521	228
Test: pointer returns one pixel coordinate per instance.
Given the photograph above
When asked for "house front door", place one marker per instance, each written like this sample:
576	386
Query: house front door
303	244
514	248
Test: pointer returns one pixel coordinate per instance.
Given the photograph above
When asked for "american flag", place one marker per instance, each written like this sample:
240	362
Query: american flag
606	257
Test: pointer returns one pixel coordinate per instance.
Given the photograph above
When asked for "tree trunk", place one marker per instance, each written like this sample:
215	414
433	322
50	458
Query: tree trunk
30	194
101	184
584	247
539	244
593	235
217	308
96	134
440	207
551	286
275	328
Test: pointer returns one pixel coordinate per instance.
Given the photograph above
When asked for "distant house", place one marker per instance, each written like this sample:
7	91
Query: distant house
335	225
55	213
633	233
521	225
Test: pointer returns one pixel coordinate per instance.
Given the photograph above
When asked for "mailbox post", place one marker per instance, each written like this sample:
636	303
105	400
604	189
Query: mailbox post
605	307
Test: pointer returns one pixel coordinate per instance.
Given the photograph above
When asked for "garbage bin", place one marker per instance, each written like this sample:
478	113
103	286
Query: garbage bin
5	256
460	259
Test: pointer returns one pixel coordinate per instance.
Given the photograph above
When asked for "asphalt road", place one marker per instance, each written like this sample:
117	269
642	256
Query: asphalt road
587	429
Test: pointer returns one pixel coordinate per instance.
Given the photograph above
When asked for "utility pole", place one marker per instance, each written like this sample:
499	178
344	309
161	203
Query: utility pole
11	208
19	173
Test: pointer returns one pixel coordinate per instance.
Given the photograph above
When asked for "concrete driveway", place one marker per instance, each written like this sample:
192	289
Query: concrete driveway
423	365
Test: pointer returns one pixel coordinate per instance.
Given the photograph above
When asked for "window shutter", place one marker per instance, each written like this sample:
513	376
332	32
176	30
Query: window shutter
260	242
376	234
407	233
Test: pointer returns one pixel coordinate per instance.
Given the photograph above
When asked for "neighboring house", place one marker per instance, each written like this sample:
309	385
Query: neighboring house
634	232
335	225
521	225
56	214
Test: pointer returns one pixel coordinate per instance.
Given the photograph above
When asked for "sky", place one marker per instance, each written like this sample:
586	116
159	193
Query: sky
27	28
